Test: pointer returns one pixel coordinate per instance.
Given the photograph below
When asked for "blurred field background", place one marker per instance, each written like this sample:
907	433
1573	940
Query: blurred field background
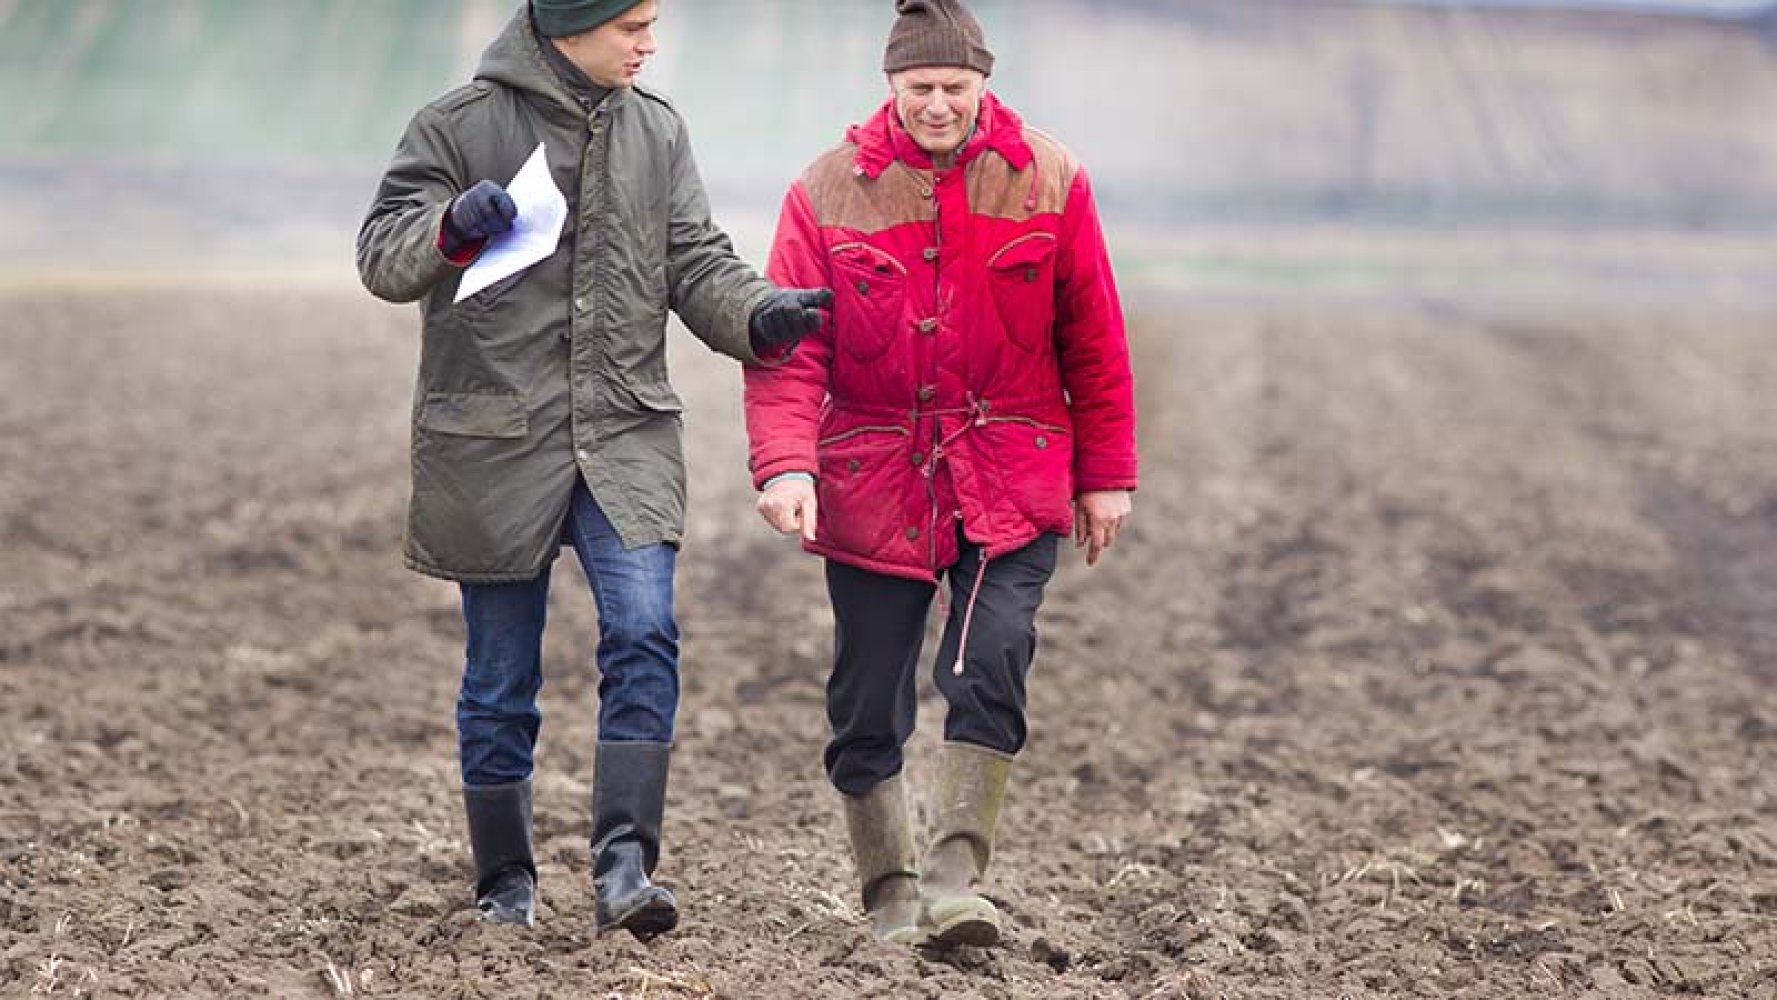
1239	146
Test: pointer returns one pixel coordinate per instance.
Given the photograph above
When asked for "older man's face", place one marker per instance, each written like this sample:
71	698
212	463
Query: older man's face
612	54
938	105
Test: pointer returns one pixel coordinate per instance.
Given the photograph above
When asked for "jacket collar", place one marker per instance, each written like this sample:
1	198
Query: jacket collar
882	140
587	93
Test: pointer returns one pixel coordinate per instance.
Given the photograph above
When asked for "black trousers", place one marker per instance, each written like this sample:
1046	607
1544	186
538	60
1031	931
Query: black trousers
880	628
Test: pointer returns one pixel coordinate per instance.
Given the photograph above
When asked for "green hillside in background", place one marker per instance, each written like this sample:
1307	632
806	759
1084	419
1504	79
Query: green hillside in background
1186	110
310	77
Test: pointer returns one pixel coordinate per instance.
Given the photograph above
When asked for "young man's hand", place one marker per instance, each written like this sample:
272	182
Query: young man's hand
788	504
482	212
1098	516
784	317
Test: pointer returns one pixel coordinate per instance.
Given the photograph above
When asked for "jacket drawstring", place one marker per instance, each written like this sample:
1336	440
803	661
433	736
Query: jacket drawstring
976	411
962	641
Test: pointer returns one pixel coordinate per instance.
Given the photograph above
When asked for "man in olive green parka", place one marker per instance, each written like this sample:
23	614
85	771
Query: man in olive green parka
543	415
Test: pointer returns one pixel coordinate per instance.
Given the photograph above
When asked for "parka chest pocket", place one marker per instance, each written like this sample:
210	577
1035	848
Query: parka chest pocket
1022	274
870	295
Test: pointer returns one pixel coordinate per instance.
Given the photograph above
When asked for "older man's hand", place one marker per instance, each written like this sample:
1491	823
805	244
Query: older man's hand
788	504
1098	516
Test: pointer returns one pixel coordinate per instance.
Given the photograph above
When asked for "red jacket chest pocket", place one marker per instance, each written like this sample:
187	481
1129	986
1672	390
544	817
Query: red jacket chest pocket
1022	275
869	297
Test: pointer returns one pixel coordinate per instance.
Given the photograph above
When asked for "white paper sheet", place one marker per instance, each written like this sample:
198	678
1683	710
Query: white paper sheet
542	211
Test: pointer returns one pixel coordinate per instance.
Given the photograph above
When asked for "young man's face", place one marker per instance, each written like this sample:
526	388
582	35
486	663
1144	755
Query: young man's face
938	105
611	55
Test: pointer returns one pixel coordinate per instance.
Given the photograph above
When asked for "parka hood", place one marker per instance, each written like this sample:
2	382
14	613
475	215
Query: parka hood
515	59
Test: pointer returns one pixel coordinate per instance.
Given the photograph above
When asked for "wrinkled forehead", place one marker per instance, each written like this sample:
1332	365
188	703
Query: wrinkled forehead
935	76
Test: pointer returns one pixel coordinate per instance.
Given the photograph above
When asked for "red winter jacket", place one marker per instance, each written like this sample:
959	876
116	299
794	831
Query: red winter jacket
976	369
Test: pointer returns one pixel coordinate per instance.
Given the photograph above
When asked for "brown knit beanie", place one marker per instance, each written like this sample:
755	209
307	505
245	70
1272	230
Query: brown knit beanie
936	33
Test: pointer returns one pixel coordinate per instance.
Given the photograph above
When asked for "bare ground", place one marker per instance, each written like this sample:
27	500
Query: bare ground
1438	662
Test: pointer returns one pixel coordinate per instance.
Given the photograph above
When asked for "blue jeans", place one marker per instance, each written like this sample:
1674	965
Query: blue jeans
638	651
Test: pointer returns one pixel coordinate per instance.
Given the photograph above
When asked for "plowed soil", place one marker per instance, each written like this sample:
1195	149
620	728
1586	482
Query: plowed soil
1436	662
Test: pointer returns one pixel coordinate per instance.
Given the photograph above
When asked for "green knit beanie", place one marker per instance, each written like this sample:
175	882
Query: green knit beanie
557	18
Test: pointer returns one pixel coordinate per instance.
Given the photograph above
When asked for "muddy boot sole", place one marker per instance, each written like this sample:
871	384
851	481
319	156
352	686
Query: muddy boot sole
971	921
906	937
647	918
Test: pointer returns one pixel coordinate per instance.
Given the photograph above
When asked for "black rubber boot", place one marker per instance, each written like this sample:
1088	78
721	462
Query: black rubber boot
500	839
628	802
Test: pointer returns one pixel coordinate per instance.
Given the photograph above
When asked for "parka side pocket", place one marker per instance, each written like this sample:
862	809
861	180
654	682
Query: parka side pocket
474	415
1022	275
870	295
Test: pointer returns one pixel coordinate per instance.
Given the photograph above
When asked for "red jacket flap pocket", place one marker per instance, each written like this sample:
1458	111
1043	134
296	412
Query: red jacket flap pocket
864	257
1029	250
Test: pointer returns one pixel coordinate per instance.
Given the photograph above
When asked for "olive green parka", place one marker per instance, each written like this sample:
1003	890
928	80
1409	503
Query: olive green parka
558	371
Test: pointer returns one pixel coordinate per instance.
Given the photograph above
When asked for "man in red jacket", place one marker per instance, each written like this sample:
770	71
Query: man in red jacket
970	404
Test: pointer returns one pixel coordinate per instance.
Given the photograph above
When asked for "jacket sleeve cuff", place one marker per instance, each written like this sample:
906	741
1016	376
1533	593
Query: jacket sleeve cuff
807	477
459	253
781	461
747	305
1099	477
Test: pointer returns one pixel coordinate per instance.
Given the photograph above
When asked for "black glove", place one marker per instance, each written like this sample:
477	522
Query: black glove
483	211
787	315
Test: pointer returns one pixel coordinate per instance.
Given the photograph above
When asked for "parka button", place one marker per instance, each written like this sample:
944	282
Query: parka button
582	455
929	253
926	392
919	458
863	288
913	534
853	465
580	304
928	325
1042	442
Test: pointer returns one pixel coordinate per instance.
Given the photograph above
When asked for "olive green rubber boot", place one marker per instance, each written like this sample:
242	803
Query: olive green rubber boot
971	788
882	846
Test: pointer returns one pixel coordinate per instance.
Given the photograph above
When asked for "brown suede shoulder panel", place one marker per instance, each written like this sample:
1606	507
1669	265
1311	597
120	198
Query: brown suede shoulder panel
845	198
996	190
